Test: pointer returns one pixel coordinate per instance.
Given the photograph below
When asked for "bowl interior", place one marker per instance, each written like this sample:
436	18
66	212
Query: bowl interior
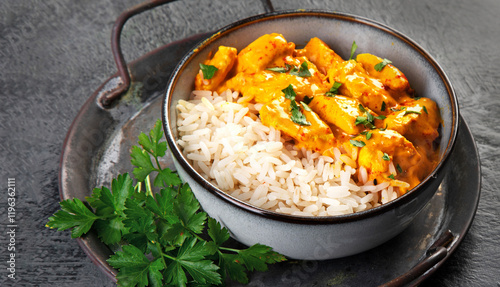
338	31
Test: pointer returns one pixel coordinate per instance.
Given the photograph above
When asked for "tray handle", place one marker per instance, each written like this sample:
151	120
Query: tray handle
436	253
107	98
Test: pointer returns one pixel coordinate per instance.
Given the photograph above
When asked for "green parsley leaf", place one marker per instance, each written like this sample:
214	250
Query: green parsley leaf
297	116
369	117
208	71
307	100
152	143
411	112
73	214
357	143
381	117
289	92
383	106
135	269
305	106
191	258
334	90
281	69
383	129
303	71
425	109
354	47
381	65
361	108
368	135
142	160
391	176
167	177
218	234
360	120
386	157
111	205
398	167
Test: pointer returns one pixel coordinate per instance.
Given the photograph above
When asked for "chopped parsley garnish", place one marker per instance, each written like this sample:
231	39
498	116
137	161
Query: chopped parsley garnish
353	49
334	90
297	116
357	143
411	112
360	120
208	71
303	71
383	107
391	176
307	100
381	65
386	157
398	167
367	134
158	234
425	109
281	69
361	108
305	106
368	119
383	129
289	92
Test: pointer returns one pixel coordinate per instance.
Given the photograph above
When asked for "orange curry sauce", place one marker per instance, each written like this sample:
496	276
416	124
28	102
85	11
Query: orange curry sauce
372	112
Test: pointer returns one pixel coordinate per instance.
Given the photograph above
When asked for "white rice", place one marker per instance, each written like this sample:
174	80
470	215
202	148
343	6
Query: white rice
229	146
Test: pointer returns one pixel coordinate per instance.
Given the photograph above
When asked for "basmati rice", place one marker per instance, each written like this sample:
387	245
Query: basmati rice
229	146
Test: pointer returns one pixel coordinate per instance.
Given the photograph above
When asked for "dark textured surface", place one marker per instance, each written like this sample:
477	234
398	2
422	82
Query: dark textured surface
54	55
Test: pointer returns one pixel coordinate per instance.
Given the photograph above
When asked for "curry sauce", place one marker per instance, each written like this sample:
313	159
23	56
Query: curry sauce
363	105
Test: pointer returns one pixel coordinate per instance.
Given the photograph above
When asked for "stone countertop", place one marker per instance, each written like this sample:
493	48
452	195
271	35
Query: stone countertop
55	54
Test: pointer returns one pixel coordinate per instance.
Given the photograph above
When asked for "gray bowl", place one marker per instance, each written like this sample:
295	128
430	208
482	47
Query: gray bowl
317	238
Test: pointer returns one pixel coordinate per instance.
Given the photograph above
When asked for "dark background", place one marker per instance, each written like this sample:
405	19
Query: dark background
55	54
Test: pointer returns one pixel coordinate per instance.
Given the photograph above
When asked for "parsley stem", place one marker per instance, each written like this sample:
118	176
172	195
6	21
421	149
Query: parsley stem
147	183
162	255
229	249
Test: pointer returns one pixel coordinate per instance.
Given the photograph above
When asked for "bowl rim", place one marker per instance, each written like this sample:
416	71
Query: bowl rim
337	219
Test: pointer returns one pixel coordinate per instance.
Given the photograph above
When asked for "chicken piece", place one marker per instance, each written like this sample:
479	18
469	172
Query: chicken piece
320	54
410	165
316	137
258	54
418	121
357	84
339	111
223	60
264	86
390	76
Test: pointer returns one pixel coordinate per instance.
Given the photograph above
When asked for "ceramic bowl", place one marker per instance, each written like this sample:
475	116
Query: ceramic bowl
317	238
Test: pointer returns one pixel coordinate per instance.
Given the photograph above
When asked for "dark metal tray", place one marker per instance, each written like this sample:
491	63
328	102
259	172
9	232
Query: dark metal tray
97	148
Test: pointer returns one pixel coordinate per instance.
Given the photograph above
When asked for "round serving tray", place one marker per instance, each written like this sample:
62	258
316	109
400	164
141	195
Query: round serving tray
97	149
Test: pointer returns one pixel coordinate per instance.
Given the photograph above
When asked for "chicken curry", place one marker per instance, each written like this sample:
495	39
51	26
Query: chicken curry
364	105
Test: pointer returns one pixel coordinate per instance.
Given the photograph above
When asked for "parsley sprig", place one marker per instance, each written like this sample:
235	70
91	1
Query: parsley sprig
368	119
301	71
161	235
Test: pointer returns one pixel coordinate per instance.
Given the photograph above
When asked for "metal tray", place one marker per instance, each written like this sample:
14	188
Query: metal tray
97	148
